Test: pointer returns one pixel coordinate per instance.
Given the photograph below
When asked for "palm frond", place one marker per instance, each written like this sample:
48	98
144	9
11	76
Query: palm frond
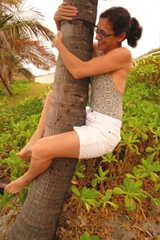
22	38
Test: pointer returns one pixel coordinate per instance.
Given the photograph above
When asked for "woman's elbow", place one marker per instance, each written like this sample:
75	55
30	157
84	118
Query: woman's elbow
77	75
79	72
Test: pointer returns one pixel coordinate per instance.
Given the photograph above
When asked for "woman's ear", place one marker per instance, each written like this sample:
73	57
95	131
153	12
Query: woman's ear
121	36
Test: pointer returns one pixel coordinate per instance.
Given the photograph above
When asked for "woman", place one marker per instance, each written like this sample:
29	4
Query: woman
109	70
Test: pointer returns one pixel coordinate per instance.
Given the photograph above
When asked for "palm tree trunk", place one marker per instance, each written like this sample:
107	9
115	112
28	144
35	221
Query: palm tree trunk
5	86
43	206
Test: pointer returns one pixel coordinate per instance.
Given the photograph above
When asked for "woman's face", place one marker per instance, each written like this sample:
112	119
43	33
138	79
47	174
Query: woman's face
105	36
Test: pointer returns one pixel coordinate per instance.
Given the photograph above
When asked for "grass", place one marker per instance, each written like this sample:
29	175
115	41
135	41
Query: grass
23	89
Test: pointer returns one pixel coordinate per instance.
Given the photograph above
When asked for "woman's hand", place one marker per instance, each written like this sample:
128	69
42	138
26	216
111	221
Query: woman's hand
57	39
64	12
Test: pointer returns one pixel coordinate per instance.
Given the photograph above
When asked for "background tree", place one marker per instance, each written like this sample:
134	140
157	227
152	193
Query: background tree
41	211
22	37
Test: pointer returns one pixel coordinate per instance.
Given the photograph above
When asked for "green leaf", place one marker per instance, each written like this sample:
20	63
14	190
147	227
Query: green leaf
149	149
92	202
86	236
154	176
94	182
89	193
75	190
128	183
128	175
23	195
80	175
156	201
118	190
88	207
108	195
115	206
137	186
130	203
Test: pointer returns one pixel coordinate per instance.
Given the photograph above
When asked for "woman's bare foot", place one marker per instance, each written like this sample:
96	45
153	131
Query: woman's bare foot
17	185
26	152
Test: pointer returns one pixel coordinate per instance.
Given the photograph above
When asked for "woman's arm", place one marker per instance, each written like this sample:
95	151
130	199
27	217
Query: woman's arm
119	58
64	12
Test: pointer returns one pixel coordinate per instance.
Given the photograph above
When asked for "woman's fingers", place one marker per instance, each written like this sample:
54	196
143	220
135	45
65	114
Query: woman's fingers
65	12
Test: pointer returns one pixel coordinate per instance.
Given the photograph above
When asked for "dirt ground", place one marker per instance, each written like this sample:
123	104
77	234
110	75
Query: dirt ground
121	228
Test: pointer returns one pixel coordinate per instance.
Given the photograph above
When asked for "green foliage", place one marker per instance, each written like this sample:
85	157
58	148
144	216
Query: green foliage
132	191
18	86
86	196
109	157
14	164
17	124
147	71
6	200
29	106
129	141
23	195
120	180
80	168
101	176
155	202
106	197
147	168
150	167
86	236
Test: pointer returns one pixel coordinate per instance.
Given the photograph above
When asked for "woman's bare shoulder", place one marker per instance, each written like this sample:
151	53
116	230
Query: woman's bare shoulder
119	54
95	51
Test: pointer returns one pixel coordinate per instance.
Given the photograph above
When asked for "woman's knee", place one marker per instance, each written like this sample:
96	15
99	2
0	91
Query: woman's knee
49	95
38	150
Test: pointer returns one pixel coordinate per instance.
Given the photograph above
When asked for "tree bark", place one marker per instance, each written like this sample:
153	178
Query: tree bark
5	86
40	214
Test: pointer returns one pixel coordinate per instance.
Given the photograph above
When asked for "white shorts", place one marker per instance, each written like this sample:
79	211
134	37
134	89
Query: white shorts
100	134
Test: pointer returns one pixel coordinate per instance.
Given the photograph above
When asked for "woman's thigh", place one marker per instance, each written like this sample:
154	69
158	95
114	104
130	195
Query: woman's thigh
60	145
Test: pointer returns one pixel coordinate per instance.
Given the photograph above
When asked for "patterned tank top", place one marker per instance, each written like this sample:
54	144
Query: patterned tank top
105	98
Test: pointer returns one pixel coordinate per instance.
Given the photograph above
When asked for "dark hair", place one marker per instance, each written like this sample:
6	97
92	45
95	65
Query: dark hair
121	21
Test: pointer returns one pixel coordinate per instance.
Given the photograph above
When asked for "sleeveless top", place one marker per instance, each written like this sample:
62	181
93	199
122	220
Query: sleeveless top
105	98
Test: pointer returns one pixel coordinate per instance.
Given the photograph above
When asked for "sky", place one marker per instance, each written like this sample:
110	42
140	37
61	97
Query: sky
146	12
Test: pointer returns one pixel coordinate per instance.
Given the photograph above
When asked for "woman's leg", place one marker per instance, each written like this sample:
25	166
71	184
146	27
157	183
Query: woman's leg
26	151
61	145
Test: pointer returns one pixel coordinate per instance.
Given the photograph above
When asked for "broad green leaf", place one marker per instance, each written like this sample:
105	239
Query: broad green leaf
155	201
118	190
75	190
130	203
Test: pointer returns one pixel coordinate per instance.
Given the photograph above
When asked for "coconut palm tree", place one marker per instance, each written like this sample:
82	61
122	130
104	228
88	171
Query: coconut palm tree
40	214
22	37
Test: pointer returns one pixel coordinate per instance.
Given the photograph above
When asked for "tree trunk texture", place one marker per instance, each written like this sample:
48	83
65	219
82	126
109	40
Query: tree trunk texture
5	85
39	217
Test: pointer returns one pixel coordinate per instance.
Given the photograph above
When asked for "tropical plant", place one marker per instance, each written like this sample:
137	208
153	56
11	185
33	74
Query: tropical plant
22	38
106	199
150	167
86	196
100	176
6	200
17	123
132	191
86	236
15	165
